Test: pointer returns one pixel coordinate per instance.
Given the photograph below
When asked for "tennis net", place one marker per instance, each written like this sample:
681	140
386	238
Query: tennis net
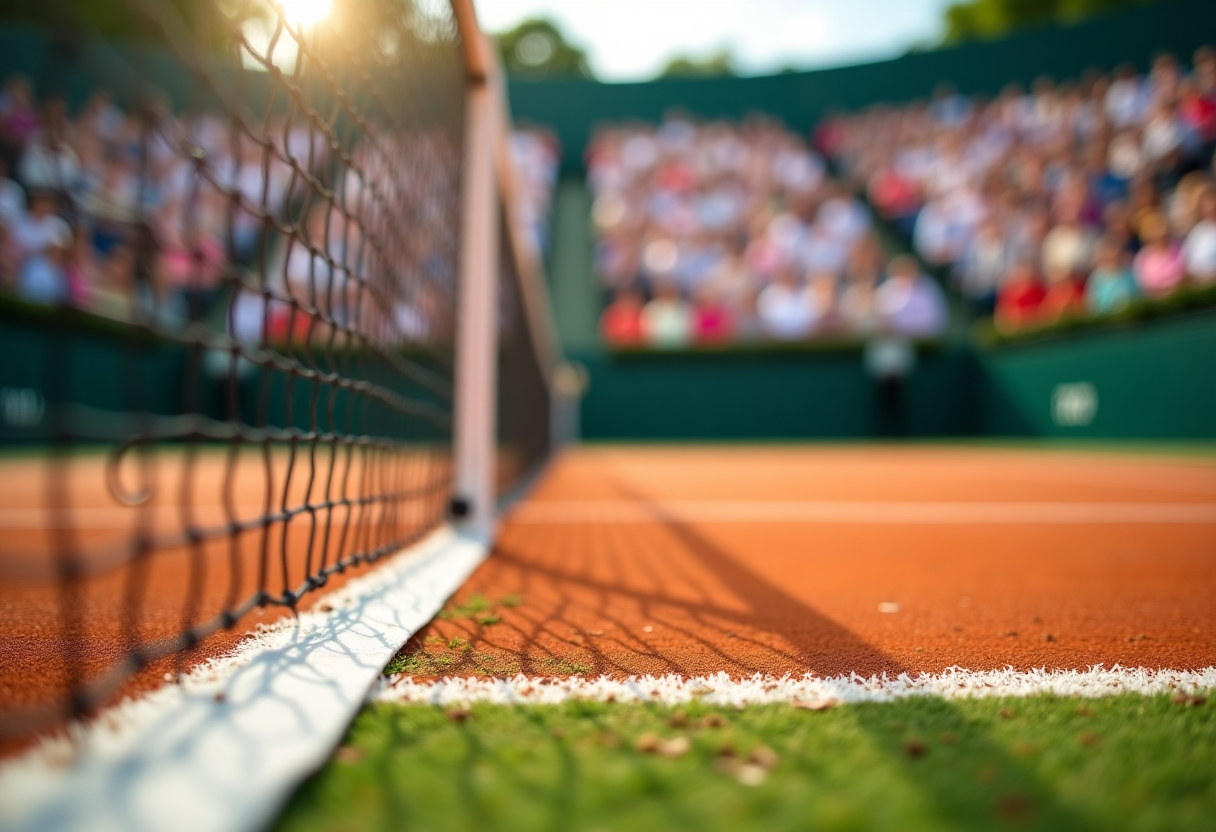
231	333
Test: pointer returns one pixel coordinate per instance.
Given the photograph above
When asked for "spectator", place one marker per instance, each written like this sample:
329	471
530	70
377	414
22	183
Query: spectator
1067	249
786	309
1111	286
1159	267
43	277
666	319
909	302
1126	99
48	162
1020	298
1199	249
711	317
1197	112
33	233
536	155
9	261
858	305
621	323
18	119
1063	298
984	266
746	323
12	198
114	292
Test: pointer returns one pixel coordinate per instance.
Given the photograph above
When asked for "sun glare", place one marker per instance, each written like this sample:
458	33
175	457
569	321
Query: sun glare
306	12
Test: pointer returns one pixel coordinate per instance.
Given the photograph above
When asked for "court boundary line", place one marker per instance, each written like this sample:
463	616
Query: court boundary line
808	690
946	512
249	726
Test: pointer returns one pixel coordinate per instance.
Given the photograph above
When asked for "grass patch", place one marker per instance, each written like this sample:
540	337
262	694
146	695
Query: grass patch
437	651
478	608
494	664
1125	762
420	663
474	606
563	667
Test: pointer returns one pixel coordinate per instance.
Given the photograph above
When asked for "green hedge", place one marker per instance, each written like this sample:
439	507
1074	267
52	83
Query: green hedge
1185	300
822	346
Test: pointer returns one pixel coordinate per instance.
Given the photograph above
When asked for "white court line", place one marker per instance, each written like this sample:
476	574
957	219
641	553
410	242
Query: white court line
721	689
124	518
223	749
847	512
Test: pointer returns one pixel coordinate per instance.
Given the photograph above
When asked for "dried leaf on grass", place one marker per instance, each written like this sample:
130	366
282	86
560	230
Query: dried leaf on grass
348	755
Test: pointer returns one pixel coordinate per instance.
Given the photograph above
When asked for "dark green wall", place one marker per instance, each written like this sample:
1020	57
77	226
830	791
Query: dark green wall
573	107
767	395
1152	380
55	360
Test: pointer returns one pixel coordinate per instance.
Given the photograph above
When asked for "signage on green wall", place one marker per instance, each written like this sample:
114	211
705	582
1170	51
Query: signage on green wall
1074	404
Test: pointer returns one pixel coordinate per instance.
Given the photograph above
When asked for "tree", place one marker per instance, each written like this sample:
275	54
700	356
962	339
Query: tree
719	64
537	49
986	19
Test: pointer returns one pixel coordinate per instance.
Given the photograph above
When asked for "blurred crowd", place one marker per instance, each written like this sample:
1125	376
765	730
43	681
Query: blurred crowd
149	216
536	157
1067	198
718	232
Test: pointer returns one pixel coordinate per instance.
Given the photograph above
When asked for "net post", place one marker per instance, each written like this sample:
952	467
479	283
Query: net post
477	324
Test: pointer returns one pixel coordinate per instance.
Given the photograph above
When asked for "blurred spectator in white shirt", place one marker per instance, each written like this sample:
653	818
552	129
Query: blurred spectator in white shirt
667	318
909	302
1199	249
785	308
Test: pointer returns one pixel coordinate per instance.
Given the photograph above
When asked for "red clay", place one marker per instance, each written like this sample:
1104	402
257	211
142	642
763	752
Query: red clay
778	597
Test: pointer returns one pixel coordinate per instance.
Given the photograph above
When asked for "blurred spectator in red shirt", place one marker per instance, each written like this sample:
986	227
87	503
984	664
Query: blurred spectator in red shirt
1019	300
621	322
1198	112
1065	297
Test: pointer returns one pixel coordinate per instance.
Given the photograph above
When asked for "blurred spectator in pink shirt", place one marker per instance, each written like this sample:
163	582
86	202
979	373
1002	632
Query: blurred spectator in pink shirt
1159	267
711	317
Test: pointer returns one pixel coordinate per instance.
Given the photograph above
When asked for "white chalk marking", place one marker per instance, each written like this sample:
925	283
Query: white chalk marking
721	689
850	512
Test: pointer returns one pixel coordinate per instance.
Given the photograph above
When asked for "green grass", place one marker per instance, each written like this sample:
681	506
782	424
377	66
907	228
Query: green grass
478	608
1124	762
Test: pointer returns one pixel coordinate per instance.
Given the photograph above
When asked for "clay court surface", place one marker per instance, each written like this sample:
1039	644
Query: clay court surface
777	559
692	560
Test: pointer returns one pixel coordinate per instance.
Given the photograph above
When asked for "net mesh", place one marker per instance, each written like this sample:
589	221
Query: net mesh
524	430
236	372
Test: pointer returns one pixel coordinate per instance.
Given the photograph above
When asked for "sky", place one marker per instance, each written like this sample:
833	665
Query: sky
631	40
